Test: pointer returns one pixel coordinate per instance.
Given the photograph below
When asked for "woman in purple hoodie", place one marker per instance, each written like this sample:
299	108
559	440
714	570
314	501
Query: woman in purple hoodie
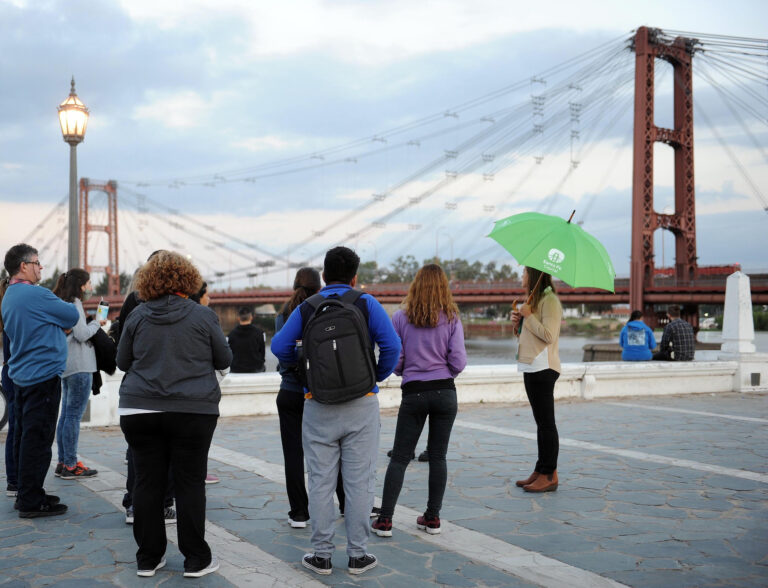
432	356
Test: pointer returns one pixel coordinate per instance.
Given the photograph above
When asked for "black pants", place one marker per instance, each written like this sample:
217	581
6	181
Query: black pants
540	388
441	407
290	409
180	442
130	482
37	410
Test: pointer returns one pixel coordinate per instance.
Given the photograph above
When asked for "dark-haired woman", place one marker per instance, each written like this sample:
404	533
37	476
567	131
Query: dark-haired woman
75	286
538	327
290	408
432	355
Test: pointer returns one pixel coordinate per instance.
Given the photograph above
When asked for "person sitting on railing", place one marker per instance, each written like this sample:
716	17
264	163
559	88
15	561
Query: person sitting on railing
636	339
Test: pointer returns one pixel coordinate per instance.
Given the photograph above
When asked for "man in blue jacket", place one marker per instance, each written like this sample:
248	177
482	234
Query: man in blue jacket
342	435
35	320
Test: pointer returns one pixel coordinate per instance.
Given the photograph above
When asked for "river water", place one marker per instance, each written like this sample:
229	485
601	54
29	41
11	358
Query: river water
499	351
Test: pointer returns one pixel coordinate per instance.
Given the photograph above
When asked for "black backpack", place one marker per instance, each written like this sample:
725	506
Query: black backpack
336	357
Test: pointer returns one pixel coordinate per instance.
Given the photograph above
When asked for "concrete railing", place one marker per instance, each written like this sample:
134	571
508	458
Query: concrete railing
254	394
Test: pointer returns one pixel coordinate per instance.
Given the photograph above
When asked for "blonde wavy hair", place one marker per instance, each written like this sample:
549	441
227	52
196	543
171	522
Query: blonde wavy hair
428	295
167	272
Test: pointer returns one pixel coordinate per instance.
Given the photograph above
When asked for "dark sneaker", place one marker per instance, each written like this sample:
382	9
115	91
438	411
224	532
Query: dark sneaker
170	516
382	526
209	569
79	472
58	470
148	573
429	524
375	511
358	565
298	521
320	565
12	490
49	499
423	456
129	515
44	510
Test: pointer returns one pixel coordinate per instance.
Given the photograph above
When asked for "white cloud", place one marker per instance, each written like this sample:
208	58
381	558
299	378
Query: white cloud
268	143
182	109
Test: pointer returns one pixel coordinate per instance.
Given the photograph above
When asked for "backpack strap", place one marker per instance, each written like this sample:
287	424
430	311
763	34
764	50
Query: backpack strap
355	297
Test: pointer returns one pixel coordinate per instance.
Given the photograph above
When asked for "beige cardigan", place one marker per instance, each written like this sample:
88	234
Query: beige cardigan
542	330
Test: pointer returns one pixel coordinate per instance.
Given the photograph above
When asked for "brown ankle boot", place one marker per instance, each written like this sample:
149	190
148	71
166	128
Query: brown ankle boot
544	483
529	480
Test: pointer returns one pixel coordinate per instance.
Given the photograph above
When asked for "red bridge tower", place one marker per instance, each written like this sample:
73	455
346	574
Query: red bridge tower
645	220
112	268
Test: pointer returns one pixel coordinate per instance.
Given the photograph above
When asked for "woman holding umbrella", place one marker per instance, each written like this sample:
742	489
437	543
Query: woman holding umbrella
537	325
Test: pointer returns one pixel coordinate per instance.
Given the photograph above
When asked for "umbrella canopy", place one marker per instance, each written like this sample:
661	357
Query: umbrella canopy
557	247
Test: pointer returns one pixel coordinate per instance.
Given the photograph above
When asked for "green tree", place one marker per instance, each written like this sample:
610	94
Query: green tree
101	288
368	272
403	269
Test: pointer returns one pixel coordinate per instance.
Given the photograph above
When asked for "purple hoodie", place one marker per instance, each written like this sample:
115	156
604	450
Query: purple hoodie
430	353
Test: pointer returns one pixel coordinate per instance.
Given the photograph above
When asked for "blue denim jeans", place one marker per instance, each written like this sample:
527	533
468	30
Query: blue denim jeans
75	391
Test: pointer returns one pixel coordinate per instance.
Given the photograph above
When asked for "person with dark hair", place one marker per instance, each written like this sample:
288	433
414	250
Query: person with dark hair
678	341
201	296
35	319
75	286
432	355
343	435
537	325
290	409
248	343
636	339
9	391
169	404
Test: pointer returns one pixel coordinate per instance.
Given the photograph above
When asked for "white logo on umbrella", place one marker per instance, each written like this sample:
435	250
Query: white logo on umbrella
555	255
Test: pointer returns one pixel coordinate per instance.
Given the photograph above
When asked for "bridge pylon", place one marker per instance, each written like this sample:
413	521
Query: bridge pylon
645	220
112	268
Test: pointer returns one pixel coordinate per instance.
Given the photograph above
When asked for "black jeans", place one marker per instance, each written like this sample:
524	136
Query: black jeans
441	407
180	442
540	388
130	482
290	409
37	409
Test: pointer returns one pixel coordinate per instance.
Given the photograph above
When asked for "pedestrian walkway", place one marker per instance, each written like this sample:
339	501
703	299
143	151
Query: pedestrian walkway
666	491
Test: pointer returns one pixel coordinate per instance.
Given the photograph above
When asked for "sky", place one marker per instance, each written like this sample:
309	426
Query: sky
252	136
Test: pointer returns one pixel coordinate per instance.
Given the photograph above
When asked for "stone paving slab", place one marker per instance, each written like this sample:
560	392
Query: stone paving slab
628	520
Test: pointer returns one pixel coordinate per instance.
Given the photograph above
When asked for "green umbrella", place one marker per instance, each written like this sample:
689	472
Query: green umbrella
557	247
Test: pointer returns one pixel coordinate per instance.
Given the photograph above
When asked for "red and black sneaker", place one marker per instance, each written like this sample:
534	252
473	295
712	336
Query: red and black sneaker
78	472
382	526
429	524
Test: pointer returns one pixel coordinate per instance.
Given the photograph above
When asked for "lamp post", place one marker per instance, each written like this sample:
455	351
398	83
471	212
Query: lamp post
73	117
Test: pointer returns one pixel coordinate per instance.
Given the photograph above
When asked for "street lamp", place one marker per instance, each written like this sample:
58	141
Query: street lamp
73	117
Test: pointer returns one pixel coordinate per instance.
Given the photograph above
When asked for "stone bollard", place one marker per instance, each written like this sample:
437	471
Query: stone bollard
739	335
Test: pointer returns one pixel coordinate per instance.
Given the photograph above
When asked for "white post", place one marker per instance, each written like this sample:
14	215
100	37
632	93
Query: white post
739	335
738	325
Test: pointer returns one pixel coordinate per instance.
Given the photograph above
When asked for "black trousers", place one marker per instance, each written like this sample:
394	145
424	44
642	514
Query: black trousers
290	409
441	407
180	442
130	482
540	388
37	410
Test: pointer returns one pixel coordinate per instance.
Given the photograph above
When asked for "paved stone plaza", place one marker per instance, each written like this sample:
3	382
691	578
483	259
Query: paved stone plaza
668	491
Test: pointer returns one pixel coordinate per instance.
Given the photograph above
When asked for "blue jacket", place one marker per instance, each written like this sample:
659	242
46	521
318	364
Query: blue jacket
637	341
35	319
379	327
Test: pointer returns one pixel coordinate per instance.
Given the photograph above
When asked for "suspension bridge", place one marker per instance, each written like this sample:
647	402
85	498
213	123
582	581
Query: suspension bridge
579	127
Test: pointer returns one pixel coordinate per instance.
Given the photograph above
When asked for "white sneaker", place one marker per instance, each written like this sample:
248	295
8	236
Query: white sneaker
209	569
297	524
150	573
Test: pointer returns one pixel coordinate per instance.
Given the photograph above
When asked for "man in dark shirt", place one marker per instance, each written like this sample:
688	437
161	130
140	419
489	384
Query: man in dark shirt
247	342
678	342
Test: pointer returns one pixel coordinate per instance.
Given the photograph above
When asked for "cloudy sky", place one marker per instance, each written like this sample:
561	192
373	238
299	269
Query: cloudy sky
253	135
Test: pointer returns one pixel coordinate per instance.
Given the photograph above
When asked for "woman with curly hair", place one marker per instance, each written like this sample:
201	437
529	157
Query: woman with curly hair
75	286
432	356
169	350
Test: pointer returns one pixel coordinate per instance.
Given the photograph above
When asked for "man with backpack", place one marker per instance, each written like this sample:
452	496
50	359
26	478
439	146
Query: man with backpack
331	336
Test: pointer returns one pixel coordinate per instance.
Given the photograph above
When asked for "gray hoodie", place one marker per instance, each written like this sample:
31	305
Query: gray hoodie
169	349
81	357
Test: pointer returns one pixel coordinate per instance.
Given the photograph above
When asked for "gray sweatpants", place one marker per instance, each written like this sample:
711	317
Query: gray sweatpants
345	435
